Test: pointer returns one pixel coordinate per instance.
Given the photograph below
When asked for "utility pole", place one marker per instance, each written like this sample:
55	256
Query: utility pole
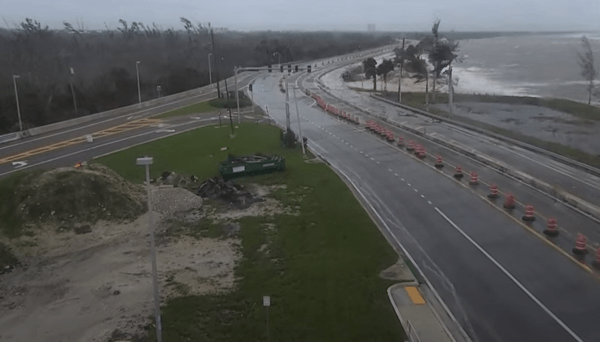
450	88
209	71
299	127
228	108
237	96
137	71
72	90
214	53
400	78
17	98
287	104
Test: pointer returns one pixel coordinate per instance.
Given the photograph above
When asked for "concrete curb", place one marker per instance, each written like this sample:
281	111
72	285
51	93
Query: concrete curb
9	137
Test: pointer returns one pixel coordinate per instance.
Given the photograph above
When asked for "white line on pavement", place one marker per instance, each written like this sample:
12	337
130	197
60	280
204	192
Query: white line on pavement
510	276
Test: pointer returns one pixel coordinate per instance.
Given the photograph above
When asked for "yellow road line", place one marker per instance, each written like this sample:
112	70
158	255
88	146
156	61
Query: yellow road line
415	295
109	131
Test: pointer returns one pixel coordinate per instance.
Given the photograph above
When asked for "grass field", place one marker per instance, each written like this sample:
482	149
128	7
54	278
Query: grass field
321	269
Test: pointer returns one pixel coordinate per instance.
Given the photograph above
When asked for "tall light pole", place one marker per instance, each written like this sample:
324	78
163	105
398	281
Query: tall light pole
147	161
209	71
73	90
137	70
450	89
237	99
17	97
278	58
299	127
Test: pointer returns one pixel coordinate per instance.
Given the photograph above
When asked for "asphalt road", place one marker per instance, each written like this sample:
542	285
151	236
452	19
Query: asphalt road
500	282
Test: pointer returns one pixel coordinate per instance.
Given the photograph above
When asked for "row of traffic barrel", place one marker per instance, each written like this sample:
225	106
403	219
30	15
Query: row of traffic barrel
335	111
419	151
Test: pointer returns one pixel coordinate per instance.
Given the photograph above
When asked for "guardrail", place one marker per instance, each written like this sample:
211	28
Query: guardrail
558	157
148	105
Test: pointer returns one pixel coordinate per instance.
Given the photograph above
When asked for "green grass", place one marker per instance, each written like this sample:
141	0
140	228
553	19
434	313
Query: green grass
196	108
321	269
583	111
7	258
11	221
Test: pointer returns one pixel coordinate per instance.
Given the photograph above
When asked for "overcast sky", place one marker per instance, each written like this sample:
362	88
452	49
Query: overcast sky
310	15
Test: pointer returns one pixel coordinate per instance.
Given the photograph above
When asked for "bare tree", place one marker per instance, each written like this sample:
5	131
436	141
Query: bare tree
586	62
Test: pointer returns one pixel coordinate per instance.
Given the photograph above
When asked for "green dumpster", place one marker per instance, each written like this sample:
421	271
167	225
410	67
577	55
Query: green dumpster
241	166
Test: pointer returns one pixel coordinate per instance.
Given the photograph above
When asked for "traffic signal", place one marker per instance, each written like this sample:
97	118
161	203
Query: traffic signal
296	68
308	68
250	86
281	67
270	68
289	68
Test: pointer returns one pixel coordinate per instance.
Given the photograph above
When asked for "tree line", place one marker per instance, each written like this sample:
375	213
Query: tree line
73	72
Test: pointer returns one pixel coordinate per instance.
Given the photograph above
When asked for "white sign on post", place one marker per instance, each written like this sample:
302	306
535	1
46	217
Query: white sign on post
266	301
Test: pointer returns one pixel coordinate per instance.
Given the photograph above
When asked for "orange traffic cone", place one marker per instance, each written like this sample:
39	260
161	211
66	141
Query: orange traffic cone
580	245
551	231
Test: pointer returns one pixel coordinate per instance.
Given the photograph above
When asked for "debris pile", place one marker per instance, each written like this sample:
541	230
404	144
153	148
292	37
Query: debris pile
219	189
171	178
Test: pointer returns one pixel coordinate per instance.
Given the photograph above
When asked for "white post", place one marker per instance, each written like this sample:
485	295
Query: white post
299	126
209	70
137	70
146	162
237	98
17	97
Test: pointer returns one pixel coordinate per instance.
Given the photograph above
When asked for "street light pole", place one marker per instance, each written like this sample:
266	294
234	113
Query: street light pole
17	97
146	161
137	70
237	98
299	127
209	71
73	90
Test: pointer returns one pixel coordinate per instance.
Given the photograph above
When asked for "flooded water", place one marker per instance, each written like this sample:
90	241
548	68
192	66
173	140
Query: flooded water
530	65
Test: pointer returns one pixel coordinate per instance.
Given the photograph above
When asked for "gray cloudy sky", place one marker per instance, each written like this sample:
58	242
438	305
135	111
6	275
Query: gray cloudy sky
397	15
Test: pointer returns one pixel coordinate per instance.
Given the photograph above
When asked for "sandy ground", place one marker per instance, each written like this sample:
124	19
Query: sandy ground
83	287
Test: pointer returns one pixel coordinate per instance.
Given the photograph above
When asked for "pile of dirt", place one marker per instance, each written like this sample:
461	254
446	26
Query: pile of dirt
83	195
227	191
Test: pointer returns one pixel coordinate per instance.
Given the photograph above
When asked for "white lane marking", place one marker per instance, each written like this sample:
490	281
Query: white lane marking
377	162
390	170
429	202
372	158
402	179
98	146
551	168
165	131
510	276
422	196
416	190
408	184
317	145
395	174
19	164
